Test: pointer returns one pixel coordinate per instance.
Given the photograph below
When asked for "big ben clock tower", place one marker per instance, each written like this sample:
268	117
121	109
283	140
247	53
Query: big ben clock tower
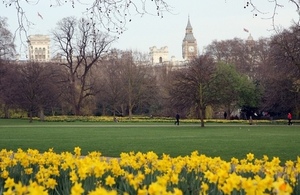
189	43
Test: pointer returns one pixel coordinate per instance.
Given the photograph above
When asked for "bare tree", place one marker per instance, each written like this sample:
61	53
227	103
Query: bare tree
7	47
281	83
34	88
287	44
275	5
81	46
246	55
261	57
111	95
191	86
113	15
7	85
234	51
279	96
139	84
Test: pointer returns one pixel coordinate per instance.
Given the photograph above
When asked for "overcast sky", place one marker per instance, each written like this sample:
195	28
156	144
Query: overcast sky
210	19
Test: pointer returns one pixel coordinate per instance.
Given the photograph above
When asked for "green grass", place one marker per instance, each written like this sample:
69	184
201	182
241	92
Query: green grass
224	140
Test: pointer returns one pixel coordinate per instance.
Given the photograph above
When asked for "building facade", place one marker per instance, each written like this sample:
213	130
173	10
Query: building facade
159	55
189	43
39	48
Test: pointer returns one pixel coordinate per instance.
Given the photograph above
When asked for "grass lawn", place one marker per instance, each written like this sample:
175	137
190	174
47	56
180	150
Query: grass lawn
224	140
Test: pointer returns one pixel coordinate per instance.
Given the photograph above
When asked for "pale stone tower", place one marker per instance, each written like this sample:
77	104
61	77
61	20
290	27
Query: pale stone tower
39	48
159	55
189	43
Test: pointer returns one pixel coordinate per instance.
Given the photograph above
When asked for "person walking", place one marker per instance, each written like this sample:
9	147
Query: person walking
177	119
289	116
225	115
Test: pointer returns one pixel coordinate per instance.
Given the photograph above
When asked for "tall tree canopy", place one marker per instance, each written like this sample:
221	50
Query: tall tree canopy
80	46
191	86
232	89
7	47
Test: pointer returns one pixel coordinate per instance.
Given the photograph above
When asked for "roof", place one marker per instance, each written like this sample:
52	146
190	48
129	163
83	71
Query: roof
189	36
189	26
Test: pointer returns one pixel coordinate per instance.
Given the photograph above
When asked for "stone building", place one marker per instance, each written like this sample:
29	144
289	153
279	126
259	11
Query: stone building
39	48
159	55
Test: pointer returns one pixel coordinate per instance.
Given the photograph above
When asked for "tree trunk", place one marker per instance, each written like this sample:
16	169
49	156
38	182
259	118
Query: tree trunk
52	111
122	109
201	105
114	110
30	116
104	110
6	111
297	109
228	110
130	111
42	115
202	114
74	103
130	106
77	110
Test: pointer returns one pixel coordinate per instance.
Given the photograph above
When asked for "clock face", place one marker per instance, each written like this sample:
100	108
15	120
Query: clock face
191	49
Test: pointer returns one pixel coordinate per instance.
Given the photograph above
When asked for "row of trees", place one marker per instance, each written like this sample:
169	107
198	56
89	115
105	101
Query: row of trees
89	78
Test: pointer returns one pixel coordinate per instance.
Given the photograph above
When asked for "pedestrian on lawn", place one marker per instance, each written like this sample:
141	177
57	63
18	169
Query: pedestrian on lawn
289	116
177	119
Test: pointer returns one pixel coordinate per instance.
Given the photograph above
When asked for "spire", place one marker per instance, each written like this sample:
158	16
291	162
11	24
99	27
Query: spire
189	32
189	26
250	41
250	38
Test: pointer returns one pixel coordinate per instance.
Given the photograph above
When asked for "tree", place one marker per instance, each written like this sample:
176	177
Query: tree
7	85
233	90
115	14
287	46
7	47
81	46
280	96
34	88
243	54
281	81
111	95
274	5
127	84
192	85
139	84
110	14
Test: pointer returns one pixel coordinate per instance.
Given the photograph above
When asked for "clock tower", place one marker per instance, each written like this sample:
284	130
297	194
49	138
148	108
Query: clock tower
189	43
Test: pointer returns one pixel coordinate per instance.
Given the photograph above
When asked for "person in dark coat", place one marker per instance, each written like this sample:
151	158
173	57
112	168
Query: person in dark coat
177	119
225	115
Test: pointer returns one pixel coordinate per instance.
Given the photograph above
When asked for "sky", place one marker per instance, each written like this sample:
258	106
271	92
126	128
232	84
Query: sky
211	20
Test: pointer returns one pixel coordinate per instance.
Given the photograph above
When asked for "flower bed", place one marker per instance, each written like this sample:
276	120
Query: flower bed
32	172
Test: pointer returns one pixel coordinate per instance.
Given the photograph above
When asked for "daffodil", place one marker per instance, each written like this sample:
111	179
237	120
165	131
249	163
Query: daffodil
250	157
51	183
102	191
77	189
20	188
77	151
110	181
9	183
35	189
